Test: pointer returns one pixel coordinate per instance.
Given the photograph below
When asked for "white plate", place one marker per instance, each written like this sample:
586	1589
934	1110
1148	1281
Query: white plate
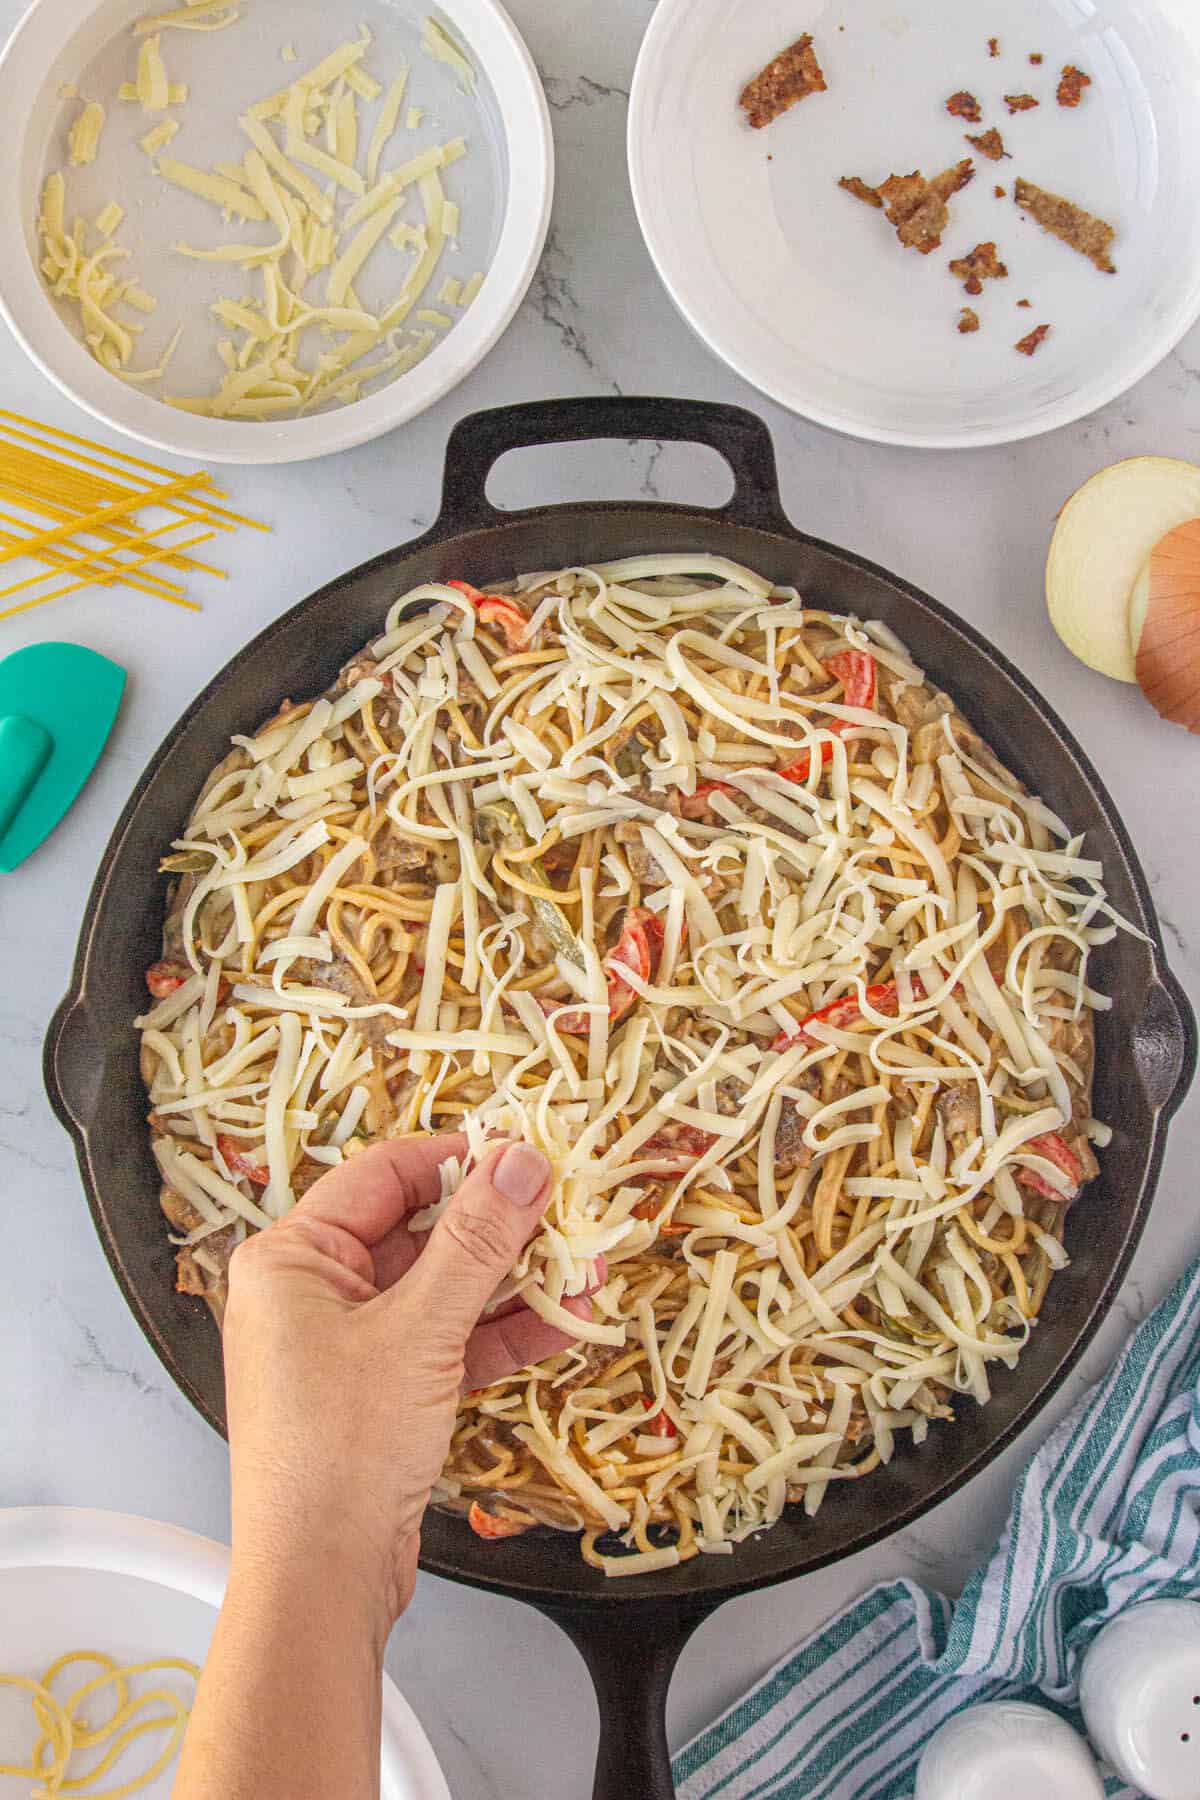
808	294
72	1580
504	187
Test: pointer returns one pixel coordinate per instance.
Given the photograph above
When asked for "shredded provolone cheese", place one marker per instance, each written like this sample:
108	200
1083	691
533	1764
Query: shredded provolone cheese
655	867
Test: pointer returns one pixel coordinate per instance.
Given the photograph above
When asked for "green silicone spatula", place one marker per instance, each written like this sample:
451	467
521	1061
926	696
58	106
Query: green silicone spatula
58	703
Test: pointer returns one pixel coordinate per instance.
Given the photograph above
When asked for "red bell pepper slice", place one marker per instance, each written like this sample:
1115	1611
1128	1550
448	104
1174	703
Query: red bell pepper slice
656	934
855	669
639	948
574	1023
632	951
798	770
659	1425
241	1164
883	997
653	1205
497	609
1056	1150
495	1525
163	978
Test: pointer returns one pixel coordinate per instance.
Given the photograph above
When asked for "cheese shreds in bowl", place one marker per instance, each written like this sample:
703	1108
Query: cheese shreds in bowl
306	182
712	896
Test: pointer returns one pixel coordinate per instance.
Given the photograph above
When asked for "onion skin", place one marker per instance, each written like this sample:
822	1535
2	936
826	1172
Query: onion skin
1168	649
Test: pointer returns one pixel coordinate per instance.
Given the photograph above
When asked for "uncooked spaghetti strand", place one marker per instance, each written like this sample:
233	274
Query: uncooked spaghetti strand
137	462
75	586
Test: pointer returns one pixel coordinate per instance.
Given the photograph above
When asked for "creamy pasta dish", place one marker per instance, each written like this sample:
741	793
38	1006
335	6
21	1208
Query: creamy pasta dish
712	896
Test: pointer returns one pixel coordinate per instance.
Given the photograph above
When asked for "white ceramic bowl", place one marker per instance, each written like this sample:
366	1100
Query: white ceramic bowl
805	292
72	1579
511	152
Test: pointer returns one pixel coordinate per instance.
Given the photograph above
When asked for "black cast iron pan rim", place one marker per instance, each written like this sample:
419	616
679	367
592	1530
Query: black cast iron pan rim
561	421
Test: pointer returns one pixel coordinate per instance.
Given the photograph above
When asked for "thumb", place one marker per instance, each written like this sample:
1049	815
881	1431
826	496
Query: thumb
480	1235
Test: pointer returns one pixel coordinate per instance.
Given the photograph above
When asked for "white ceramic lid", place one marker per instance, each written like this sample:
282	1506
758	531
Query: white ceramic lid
1007	1750
73	1579
806	292
1140	1693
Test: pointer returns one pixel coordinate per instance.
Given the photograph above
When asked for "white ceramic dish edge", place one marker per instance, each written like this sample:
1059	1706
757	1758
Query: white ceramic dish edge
26	66
67	1537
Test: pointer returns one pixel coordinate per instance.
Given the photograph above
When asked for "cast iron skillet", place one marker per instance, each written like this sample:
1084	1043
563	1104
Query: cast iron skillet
630	1632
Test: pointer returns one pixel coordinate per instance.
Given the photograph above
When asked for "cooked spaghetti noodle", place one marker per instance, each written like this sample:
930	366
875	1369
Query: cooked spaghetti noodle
64	1731
708	893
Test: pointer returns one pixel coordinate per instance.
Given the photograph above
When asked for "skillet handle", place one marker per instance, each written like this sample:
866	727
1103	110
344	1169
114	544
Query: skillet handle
477	443
72	1063
1164	1043
631	1652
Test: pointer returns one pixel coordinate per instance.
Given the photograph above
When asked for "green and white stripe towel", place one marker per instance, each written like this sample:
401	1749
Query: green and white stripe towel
1106	1514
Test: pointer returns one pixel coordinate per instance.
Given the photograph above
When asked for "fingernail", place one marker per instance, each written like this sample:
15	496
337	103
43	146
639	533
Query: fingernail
521	1174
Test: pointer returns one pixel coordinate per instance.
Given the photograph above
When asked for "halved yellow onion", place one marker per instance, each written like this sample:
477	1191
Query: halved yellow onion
1102	541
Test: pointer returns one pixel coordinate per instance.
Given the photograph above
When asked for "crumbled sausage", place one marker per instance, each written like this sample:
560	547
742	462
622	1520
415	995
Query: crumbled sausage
1070	88
979	265
642	865
862	190
917	208
792	75
1080	230
958	1109
1032	340
989	144
965	106
391	851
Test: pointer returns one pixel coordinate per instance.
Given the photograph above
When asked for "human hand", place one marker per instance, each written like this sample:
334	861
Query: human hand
348	1339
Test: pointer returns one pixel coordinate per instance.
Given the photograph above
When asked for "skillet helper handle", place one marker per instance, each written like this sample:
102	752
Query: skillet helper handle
631	1652
1164	1043
73	1063
478	442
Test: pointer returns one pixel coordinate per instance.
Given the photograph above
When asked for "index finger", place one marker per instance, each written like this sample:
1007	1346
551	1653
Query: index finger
375	1191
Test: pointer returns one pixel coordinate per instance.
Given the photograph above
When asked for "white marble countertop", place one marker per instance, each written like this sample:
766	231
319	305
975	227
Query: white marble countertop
89	1418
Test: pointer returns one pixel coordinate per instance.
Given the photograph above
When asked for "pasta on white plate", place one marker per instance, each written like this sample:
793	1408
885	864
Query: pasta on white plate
712	896
136	1742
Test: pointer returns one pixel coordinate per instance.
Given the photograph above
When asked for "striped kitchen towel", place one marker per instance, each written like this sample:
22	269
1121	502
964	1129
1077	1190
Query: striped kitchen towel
1106	1514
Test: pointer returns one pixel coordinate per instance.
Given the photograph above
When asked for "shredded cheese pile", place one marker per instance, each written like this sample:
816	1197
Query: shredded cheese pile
707	893
313	180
